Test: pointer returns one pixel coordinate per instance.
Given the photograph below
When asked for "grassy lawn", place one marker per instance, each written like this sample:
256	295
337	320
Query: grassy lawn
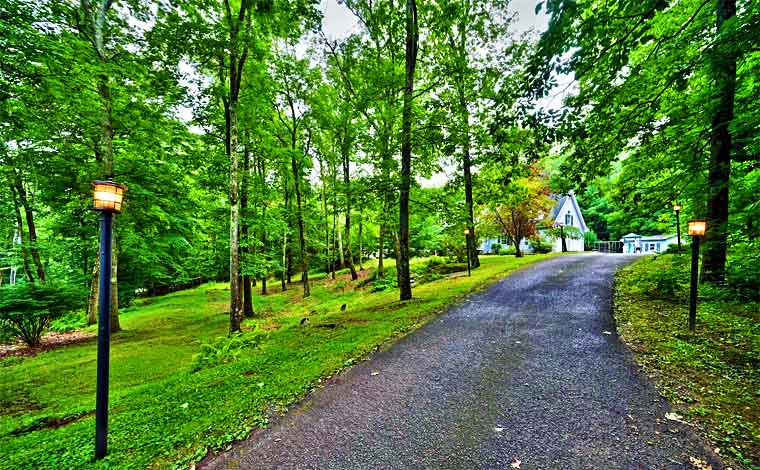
712	376
164	415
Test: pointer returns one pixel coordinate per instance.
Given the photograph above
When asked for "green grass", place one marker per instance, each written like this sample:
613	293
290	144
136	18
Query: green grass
711	376
163	415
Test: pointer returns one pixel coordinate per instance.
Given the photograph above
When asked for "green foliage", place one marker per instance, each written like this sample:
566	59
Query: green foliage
510	250
711	375
495	248
166	415
27	309
589	238
539	245
667	278
743	273
225	349
70	321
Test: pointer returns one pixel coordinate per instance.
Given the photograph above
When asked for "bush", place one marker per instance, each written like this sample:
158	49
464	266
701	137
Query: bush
589	239
667	277
27	309
743	270
509	250
540	246
496	248
69	322
224	349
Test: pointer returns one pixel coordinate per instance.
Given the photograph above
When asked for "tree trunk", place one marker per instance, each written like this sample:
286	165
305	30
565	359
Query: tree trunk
244	230
32	229
284	261
263	191
115	325
236	307
92	301
361	254
412	34
327	217
347	190
20	228
301	228
466	165
381	252
518	251
724	73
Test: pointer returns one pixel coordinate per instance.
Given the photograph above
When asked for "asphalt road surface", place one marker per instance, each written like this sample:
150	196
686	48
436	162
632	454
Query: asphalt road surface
528	374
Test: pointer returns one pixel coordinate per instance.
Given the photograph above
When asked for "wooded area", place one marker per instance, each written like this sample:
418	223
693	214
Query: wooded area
257	147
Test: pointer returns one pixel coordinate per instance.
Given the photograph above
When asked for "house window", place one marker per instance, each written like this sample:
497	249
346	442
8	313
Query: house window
568	219
651	247
658	247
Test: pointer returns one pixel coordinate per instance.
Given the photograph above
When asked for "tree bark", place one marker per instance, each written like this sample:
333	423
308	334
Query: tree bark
412	36
724	73
92	301
466	166
347	190
236	308
20	228
361	254
32	229
115	324
301	228
244	231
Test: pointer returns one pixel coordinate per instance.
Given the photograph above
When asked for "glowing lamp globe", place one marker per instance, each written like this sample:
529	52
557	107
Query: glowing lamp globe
697	227
466	231
676	207
108	196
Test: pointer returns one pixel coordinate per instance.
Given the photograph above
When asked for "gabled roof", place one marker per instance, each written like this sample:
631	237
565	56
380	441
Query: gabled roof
561	202
631	235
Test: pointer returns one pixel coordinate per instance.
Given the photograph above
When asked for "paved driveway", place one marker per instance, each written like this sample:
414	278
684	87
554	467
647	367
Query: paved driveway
528	374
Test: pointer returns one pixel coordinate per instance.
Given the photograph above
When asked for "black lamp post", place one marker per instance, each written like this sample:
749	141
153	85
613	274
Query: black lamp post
677	209
562	236
697	229
467	243
108	198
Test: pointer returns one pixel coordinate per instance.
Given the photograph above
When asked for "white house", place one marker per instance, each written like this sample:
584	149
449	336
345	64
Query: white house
633	243
567	212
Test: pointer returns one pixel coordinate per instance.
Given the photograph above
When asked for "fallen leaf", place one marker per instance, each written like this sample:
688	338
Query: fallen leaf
185	405
374	372
516	463
675	417
699	464
498	429
607	332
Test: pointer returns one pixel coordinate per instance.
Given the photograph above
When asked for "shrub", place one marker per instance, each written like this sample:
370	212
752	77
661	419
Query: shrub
224	349
509	250
496	248
743	270
666	277
589	239
71	321
539	245
27	309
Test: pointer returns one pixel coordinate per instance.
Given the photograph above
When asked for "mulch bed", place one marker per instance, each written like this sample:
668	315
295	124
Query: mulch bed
49	341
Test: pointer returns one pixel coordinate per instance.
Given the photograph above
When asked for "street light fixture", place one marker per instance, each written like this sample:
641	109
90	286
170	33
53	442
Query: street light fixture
677	210
697	229
107	198
467	244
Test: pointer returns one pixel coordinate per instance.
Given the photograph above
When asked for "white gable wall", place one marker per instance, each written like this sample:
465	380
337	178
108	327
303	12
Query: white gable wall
572	244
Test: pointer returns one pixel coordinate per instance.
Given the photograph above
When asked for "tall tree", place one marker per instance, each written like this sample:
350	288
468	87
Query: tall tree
412	39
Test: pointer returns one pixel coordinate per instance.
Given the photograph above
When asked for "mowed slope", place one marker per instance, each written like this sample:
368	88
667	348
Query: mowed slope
162	413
